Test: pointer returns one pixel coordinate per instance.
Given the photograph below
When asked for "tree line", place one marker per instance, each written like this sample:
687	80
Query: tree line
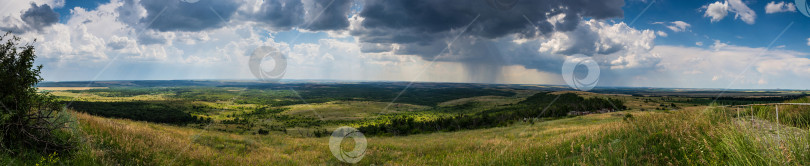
541	105
144	111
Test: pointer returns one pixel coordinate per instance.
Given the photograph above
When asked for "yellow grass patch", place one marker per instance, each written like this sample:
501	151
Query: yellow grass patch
97	98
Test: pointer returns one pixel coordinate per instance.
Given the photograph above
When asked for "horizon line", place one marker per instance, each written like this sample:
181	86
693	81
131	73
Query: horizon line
391	81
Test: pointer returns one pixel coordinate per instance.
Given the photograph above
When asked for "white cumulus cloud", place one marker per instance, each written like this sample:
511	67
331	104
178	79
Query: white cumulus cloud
774	7
624	47
717	11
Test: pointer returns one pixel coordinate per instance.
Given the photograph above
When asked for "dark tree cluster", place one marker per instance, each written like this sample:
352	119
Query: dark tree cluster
321	133
144	111
267	128
314	93
237	120
541	105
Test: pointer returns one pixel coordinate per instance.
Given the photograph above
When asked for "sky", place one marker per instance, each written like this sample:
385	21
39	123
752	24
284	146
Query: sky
738	44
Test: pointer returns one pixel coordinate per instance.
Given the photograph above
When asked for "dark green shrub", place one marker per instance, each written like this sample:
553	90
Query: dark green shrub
28	121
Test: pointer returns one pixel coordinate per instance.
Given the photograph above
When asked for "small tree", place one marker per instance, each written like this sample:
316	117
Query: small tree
27	118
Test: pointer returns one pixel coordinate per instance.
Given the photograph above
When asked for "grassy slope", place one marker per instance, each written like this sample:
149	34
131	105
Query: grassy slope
131	142
693	136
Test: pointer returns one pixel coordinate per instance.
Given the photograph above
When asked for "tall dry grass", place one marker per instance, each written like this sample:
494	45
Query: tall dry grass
120	141
695	136
698	136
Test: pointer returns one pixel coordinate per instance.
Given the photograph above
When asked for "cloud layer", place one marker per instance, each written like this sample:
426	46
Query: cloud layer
422	27
36	17
470	41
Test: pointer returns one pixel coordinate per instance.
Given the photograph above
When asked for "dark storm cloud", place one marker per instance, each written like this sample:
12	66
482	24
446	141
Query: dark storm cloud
480	56
38	17
35	18
280	14
312	15
128	12
420	25
333	15
526	55
431	28
184	16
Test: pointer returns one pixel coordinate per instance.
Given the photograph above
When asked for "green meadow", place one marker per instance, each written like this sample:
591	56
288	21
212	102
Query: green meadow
220	126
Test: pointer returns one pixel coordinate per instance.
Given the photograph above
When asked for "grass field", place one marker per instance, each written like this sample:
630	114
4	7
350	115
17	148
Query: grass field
350	110
96	98
653	130
693	136
141	139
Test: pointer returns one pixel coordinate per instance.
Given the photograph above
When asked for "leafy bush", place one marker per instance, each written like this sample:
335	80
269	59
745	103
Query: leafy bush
28	119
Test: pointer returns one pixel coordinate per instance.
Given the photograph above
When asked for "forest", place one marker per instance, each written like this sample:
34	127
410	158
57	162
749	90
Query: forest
145	111
540	105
